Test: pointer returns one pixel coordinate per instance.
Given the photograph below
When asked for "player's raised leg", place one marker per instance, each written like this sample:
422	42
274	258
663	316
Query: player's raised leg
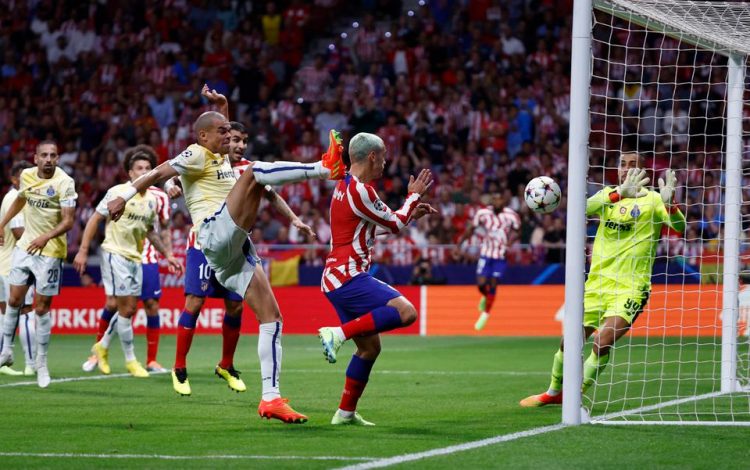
395	311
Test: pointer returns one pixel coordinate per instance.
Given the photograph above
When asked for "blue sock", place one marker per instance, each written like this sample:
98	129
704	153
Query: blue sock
187	320
107	314
153	322
233	322
359	369
386	318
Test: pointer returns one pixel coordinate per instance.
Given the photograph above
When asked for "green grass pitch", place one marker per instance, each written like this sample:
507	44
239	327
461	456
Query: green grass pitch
424	393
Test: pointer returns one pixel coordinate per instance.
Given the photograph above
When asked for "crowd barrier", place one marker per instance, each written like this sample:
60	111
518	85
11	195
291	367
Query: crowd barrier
692	310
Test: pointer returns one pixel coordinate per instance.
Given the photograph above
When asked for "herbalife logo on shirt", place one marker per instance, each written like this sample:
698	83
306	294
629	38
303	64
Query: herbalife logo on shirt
221	174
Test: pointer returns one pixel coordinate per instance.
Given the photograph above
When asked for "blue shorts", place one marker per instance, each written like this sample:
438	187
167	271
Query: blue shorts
200	279
491	267
151	287
359	296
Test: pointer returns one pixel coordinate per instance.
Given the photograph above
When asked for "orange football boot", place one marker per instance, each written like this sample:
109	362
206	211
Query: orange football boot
278	408
333	159
541	400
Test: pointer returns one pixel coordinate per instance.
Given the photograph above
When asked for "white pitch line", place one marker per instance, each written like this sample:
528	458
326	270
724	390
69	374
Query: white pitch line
75	379
399	459
181	457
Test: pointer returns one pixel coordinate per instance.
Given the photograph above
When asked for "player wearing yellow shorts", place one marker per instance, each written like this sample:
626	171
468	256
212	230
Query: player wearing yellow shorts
619	281
47	197
122	250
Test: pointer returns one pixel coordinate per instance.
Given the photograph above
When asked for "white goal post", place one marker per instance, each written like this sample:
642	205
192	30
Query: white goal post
631	90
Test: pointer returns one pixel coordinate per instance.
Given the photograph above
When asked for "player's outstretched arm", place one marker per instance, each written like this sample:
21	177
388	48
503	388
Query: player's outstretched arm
13	211
175	266
673	216
163	172
79	262
280	204
633	186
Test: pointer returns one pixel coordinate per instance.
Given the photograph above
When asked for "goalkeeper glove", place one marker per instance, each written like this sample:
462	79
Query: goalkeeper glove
634	183
666	189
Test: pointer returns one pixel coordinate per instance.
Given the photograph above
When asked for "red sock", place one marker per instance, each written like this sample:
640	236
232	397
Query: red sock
352	391
152	341
231	335
184	340
102	325
490	301
359	326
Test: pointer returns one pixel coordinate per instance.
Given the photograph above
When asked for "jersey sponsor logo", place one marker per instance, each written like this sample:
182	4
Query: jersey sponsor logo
635	212
138	218
619	227
221	174
50	191
38	203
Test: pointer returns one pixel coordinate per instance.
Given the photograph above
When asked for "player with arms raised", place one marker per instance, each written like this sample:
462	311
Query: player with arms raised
224	210
619	280
365	305
497	225
47	197
122	251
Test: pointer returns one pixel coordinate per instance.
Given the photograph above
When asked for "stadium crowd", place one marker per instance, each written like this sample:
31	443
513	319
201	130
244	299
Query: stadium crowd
478	91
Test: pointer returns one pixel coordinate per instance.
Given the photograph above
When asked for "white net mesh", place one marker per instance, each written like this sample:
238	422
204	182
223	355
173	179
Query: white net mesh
659	87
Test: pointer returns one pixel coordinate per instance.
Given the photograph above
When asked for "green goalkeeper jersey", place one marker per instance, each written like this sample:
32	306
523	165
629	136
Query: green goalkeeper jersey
626	240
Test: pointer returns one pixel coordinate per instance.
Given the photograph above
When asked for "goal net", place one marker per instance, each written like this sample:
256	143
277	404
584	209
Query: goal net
668	81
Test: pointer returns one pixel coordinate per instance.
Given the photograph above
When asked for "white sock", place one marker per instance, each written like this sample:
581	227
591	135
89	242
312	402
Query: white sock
275	173
9	327
43	328
110	332
345	414
27	333
339	332
125	330
269	353
553	393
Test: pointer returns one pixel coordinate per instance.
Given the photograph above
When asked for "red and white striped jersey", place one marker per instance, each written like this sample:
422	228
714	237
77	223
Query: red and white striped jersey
495	230
239	167
356	214
150	255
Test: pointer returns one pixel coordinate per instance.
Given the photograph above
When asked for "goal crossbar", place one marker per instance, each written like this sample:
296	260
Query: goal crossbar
720	26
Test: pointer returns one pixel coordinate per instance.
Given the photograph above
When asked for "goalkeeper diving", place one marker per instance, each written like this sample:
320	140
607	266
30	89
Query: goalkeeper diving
619	280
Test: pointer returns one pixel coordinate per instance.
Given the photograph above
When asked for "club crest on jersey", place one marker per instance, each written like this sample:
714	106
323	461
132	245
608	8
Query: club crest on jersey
635	212
150	205
50	191
204	286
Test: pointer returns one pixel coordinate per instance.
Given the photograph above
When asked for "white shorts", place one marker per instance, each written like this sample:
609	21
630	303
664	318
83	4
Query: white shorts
5	292
228	250
121	277
42	272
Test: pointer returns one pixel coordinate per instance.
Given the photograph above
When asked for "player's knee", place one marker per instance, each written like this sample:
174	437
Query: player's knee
369	352
482	288
408	314
193	304
491	289
234	309
15	302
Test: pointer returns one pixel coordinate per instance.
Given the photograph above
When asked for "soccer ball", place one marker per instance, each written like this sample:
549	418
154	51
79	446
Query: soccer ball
542	195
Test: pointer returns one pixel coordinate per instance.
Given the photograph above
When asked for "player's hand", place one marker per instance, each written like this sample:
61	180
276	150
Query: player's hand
175	267
37	245
174	192
79	263
213	96
421	184
304	228
666	189
116	207
172	189
422	210
634	183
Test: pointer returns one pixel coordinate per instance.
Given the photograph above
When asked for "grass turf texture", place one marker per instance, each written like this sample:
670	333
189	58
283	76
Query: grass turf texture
425	393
